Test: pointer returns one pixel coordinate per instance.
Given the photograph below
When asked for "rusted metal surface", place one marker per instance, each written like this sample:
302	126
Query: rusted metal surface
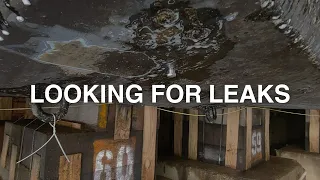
163	42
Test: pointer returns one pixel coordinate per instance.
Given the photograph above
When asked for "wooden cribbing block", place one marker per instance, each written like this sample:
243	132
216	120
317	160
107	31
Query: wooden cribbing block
232	137
70	170
267	134
13	161
35	169
248	138
103	116
4	151
314	131
122	122
70	124
149	143
193	135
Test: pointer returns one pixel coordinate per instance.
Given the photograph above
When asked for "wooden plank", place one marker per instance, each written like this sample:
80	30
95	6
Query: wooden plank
233	118
4	151
193	135
72	169
5	103
149	143
13	161
314	131
178	130
122	122
70	124
137	118
102	118
267	134
248	137
35	168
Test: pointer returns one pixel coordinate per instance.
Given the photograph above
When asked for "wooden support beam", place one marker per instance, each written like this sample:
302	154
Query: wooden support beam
13	161
267	134
5	103
149	143
233	119
314	131
178	130
193	135
137	118
122	122
248	138
35	168
103	116
70	124
4	151
70	170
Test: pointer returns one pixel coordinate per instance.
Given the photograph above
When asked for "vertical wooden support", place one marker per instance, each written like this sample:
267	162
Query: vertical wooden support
248	138
233	119
314	131
5	103
178	126
267	134
149	143
122	122
70	170
102	117
4	151
137	117
13	161
35	168
193	135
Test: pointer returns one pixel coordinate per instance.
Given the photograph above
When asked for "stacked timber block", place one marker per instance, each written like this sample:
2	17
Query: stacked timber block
312	132
113	153
239	139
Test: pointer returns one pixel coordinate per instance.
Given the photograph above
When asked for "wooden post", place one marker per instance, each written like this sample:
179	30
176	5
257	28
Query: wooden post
70	170
102	118
193	135
13	161
314	131
35	169
267	134
4	151
248	138
149	143
178	126
122	122
233	119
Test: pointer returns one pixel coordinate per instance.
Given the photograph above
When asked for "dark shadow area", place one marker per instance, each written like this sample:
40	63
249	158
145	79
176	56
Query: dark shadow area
287	130
165	134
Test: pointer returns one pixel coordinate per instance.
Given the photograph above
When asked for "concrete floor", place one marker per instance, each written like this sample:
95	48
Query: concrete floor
275	169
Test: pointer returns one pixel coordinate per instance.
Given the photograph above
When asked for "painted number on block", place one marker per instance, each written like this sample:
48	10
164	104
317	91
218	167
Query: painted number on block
114	159
256	142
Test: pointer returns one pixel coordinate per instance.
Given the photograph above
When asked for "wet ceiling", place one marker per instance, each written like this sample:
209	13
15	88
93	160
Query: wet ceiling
149	42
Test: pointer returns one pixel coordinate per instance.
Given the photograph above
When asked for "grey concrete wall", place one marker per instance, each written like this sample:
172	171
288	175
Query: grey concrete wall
309	161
